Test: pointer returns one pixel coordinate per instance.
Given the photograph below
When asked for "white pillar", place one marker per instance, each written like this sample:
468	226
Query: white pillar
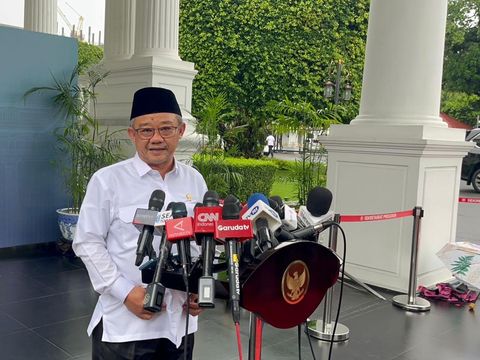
41	16
156	28
403	67
119	29
397	153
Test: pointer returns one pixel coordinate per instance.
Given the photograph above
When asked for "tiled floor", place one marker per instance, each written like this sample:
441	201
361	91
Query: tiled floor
46	301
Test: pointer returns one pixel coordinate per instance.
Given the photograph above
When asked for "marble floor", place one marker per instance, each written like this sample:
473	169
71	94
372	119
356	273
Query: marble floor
46	300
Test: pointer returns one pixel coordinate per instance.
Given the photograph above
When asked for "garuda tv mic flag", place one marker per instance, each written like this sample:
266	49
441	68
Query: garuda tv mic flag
233	230
180	231
146	235
155	291
204	228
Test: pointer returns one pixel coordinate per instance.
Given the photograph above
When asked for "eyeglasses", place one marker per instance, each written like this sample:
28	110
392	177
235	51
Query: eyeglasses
164	131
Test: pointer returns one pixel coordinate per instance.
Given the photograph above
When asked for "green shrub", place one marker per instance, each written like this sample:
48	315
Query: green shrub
284	164
236	176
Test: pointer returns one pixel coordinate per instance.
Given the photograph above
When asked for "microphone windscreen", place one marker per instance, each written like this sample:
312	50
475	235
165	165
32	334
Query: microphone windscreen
319	200
211	198
276	203
179	210
232	199
255	197
156	200
230	211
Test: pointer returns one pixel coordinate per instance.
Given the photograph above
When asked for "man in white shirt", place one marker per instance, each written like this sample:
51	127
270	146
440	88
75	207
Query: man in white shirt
106	240
270	142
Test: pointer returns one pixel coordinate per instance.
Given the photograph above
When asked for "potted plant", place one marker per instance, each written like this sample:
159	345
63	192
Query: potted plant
87	146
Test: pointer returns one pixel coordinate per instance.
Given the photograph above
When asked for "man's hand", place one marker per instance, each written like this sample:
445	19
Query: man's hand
194	310
134	303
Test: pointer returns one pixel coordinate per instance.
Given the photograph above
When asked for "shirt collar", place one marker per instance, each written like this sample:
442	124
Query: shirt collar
143	168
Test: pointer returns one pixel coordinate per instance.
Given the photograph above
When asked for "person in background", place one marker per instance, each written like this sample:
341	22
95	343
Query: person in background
106	240
270	140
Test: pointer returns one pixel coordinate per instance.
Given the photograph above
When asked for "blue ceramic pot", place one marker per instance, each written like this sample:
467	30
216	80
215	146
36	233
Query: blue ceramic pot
67	221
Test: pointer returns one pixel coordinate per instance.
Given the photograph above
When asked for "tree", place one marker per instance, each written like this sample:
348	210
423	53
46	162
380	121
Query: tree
461	75
88	55
462	106
255	51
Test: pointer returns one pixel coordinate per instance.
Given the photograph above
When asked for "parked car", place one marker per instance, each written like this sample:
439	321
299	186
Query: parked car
471	162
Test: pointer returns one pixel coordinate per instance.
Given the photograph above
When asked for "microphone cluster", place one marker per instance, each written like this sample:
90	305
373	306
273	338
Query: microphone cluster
245	232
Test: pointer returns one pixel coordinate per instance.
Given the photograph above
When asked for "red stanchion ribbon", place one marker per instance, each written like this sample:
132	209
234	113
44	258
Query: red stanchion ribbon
469	200
375	217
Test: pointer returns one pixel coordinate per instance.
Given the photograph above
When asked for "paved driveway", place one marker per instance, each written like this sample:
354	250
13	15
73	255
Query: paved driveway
468	225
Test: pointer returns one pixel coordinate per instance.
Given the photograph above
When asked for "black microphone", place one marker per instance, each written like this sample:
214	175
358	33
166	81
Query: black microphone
276	203
307	232
281	205
283	235
319	200
204	223
263	235
146	235
286	213
231	211
155	291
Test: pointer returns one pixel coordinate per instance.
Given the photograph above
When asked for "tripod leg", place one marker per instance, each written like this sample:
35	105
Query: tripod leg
365	286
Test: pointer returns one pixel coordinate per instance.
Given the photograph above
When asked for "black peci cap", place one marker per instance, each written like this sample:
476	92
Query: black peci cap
151	100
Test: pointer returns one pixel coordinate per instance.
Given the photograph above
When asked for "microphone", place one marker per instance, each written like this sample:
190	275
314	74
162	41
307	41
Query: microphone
258	207
275	205
315	217
318	203
180	231
283	235
205	216
146	235
231	199
286	213
307	232
265	240
319	200
155	291
232	230
264	219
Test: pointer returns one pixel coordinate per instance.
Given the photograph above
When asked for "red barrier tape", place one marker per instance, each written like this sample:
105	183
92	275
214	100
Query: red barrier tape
375	217
469	200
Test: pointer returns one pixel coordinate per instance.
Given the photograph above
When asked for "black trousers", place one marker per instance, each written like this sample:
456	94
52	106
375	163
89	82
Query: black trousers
270	150
155	349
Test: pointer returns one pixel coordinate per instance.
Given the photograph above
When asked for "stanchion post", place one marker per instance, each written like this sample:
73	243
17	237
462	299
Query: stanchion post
410	301
323	329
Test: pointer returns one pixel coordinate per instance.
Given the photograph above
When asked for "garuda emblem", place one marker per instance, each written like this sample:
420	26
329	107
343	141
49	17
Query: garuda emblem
295	282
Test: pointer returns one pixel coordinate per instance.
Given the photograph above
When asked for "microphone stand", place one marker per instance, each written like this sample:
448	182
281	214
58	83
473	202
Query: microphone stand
255	338
323	329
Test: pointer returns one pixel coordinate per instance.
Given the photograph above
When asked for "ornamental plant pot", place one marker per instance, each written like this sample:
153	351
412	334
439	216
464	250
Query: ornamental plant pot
67	221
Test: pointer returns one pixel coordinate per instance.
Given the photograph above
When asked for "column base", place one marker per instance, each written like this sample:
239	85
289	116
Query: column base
387	169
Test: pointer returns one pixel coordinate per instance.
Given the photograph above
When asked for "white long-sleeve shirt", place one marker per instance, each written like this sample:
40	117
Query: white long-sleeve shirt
106	241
